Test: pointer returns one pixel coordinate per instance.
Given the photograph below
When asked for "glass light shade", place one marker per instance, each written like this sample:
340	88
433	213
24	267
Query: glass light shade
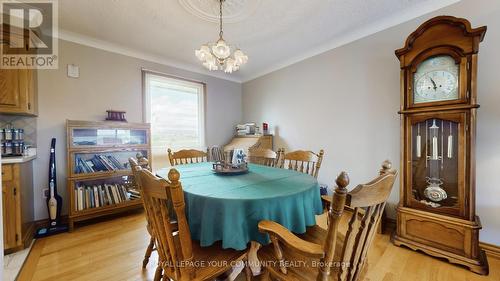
210	63
202	53
240	57
210	66
221	50
230	65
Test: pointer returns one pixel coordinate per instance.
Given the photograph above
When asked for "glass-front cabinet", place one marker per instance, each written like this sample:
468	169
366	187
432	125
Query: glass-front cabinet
435	156
99	174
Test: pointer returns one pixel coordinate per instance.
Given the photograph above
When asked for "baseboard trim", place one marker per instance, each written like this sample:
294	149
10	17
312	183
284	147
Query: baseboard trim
491	250
45	222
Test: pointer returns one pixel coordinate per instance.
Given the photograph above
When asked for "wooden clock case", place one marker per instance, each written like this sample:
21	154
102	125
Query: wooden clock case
450	232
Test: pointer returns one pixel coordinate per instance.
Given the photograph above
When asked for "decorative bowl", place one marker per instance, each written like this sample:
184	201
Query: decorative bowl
229	169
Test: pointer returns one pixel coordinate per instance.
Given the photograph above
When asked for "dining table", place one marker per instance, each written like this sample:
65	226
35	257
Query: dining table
228	208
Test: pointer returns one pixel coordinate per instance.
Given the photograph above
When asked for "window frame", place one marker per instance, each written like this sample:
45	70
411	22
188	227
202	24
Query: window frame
146	100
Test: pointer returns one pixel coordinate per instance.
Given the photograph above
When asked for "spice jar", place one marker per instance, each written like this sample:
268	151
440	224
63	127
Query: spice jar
15	134
8	134
8	148
17	148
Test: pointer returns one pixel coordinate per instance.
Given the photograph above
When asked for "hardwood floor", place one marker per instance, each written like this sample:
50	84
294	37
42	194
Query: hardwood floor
114	249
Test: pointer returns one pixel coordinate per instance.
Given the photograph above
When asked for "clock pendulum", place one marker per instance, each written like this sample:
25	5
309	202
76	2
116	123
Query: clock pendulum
434	192
434	129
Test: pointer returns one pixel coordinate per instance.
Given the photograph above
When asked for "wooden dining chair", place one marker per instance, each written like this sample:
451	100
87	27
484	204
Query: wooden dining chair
335	253
263	156
302	161
144	164
187	156
180	257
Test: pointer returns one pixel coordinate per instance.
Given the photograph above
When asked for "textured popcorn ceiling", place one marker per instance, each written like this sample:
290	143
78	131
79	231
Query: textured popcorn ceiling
274	33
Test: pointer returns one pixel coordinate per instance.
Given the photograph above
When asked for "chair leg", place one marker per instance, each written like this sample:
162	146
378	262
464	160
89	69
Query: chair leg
265	275
158	273
248	272
148	252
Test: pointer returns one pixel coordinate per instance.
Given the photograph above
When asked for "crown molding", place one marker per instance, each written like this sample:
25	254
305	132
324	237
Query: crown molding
115	48
385	23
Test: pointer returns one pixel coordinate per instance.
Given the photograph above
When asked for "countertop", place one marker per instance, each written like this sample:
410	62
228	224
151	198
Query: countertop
20	159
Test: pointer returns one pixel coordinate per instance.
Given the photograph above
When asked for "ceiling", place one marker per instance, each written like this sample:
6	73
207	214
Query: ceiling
274	33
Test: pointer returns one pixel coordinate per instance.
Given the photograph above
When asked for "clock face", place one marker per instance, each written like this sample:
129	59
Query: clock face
436	79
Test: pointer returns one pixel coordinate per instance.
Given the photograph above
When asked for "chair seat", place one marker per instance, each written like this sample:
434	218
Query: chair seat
300	267
210	262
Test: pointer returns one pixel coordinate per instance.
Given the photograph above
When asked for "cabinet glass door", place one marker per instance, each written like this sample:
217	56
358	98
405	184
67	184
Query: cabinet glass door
108	137
104	161
436	150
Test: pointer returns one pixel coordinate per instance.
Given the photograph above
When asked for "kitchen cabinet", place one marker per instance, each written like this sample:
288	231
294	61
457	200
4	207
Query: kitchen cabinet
17	197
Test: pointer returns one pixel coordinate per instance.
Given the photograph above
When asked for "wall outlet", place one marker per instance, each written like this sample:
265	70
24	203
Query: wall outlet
45	193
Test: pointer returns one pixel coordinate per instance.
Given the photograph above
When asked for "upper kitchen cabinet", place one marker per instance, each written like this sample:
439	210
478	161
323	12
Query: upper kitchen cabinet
18	91
18	87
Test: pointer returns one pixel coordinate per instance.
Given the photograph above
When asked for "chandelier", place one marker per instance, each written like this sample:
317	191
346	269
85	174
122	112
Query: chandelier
220	55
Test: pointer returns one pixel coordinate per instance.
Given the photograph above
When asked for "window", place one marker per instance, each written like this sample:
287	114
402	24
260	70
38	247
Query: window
175	109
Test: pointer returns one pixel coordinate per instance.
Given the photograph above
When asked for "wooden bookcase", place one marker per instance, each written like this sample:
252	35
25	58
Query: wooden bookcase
87	141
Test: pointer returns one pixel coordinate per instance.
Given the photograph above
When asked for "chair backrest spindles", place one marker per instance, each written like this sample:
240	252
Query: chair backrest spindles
368	201
303	161
263	156
187	156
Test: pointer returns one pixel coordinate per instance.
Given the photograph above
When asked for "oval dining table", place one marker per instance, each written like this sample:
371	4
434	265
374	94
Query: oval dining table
228	208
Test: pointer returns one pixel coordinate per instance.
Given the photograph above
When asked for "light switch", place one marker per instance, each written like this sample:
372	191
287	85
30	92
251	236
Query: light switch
73	71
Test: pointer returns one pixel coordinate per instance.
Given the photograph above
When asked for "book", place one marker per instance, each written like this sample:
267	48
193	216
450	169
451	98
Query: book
76	198
106	162
102	199
115	194
125	193
91	195
98	164
90	165
108	195
80	198
121	190
96	196
87	198
115	162
110	192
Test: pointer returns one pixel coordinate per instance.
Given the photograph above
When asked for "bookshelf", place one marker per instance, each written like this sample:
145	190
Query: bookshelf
99	176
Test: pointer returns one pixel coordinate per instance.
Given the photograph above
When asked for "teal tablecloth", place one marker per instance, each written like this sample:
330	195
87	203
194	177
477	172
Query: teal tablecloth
228	208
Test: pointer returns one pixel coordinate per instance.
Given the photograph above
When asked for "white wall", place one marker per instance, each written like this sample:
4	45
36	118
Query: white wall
346	101
111	81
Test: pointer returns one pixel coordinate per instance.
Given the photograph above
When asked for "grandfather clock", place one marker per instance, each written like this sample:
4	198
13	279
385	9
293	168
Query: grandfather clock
436	212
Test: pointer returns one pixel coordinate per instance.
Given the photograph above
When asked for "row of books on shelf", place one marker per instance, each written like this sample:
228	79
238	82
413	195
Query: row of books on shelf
87	196
98	163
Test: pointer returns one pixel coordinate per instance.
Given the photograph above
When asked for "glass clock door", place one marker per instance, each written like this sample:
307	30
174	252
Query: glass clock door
435	162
